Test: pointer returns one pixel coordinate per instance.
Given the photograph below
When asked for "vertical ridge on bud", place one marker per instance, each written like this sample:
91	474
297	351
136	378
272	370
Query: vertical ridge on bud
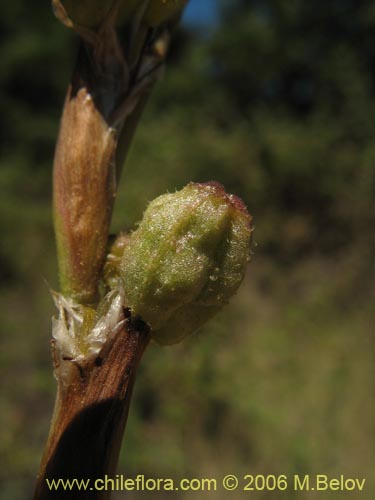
186	259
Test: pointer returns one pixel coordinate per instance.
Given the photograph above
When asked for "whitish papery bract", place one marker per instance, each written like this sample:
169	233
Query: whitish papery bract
185	260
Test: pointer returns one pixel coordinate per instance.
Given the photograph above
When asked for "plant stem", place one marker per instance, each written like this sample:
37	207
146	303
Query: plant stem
90	414
105	99
84	183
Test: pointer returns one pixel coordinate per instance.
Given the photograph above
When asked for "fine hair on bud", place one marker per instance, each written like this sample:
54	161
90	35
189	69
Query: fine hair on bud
185	260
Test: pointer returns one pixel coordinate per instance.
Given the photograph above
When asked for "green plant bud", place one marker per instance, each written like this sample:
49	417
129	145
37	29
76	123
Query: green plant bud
186	259
90	13
160	11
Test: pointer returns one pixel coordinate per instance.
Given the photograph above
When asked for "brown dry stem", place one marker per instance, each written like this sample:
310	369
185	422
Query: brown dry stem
90	414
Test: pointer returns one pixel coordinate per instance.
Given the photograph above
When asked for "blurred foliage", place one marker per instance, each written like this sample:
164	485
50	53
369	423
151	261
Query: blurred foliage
277	105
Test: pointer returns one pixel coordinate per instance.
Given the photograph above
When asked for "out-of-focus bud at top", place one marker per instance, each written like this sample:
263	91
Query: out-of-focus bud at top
160	11
91	13
186	259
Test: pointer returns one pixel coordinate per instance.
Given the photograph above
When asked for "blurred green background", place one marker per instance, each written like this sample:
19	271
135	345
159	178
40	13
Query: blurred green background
274	100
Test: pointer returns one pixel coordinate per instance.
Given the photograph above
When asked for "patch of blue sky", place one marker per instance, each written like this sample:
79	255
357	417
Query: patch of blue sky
201	15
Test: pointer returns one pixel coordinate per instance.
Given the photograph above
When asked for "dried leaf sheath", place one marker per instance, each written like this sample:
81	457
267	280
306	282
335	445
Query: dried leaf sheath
84	167
103	104
83	173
